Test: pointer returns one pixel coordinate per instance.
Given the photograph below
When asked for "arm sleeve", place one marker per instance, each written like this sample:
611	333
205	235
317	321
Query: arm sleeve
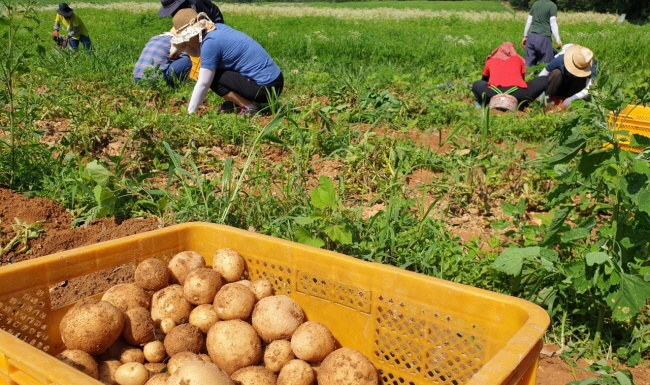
555	29
201	88
529	22
56	26
73	31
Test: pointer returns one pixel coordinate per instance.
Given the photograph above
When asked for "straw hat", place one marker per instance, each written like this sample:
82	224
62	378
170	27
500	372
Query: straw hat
578	60
188	24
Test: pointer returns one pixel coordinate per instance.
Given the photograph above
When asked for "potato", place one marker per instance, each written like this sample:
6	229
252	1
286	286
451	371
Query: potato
154	367
154	351
233	345
312	341
184	338
178	360
182	264
152	274
203	317
277	317
228	263
201	285
170	303
296	372
199	373
138	326
276	354
125	296
158	379
254	375
92	326
132	373
107	371
132	355
234	301
167	325
347	366
262	288
81	361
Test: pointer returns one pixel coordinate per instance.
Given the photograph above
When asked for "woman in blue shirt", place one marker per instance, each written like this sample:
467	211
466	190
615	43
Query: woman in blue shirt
233	65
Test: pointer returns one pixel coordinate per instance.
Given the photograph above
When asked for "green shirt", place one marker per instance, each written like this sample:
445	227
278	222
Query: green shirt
542	11
72	24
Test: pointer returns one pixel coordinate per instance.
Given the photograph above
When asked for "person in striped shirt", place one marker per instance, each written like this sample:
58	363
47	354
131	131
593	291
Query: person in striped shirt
155	62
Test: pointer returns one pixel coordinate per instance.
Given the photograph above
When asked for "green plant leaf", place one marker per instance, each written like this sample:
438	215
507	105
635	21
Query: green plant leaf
643	200
596	258
324	195
630	298
303	220
500	224
304	237
339	234
575	234
569	148
591	162
556	223
98	173
511	260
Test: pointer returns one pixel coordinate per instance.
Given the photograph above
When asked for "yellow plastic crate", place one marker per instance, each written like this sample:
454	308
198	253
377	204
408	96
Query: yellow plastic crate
634	119
196	64
416	329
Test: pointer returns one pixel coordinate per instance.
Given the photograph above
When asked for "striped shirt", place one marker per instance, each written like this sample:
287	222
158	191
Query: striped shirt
154	55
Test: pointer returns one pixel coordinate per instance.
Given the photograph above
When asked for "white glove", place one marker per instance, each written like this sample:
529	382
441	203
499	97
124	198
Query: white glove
567	102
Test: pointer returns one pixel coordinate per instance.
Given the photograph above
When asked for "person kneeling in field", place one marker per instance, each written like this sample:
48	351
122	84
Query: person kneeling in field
77	29
570	74
504	73
155	62
233	65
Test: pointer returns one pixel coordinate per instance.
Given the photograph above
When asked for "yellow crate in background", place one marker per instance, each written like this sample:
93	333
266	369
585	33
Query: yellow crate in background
196	64
415	329
636	120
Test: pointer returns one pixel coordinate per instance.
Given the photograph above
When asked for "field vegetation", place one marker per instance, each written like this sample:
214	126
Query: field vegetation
375	149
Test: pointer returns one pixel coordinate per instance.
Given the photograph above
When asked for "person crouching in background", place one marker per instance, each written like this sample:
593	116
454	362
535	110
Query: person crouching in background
155	62
570	75
233	65
504	73
77	31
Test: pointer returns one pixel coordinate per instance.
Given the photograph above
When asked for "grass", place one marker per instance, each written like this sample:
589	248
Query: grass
366	87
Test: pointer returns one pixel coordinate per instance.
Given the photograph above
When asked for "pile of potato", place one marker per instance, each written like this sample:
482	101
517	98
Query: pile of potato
186	323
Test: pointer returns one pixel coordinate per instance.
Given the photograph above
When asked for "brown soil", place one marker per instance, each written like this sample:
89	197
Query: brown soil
59	236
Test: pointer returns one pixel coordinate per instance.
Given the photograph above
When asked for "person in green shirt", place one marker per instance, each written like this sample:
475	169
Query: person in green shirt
542	21
77	31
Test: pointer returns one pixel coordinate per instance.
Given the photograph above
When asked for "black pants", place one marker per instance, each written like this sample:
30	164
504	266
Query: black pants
564	85
229	81
482	90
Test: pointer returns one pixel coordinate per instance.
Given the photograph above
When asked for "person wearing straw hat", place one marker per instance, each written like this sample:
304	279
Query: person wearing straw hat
155	62
170	7
541	23
570	74
504	73
77	31
233	65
